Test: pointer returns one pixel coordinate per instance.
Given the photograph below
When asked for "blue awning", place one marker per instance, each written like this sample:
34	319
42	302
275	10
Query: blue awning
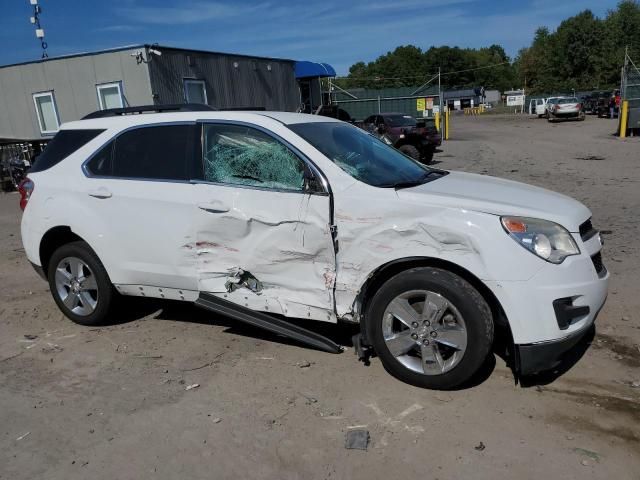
312	69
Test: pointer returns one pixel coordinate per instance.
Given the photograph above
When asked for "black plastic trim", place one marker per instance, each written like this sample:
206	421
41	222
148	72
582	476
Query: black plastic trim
540	357
267	322
178	107
566	312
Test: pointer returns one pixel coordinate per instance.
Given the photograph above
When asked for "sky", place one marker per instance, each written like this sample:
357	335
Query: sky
337	32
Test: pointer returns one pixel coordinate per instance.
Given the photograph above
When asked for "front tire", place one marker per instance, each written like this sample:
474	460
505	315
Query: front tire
411	151
430	328
80	284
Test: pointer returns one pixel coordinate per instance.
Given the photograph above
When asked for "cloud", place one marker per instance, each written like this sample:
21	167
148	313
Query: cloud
187	12
119	28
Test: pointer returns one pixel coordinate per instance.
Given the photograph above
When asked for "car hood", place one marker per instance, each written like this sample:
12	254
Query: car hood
497	196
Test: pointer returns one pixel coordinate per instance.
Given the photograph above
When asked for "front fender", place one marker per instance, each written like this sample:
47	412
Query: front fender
471	240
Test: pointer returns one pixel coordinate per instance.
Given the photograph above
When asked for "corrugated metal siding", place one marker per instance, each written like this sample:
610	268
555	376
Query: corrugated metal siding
391	100
250	84
73	81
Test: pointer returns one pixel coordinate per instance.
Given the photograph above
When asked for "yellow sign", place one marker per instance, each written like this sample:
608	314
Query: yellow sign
421	104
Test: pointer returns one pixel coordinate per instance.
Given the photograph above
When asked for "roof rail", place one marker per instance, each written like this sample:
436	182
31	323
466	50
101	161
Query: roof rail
179	107
242	109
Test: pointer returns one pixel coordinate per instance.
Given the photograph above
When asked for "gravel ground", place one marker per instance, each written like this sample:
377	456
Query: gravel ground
113	402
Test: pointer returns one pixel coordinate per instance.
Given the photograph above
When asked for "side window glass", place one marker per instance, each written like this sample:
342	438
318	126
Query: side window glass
240	155
100	164
162	152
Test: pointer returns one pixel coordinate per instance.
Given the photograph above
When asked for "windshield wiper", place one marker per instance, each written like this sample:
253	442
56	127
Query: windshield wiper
410	183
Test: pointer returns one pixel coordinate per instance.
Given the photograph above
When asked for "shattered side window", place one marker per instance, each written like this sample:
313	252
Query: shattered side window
241	155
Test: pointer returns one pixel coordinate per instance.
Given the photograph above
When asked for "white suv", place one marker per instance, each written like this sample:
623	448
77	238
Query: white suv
265	215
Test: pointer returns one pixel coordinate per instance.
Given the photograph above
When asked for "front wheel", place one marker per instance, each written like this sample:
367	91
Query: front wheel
430	328
80	284
410	151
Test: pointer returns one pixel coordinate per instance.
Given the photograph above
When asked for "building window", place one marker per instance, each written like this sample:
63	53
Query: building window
45	104
110	95
195	91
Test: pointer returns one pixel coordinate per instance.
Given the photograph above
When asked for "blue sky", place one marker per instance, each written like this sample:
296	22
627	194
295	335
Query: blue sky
334	31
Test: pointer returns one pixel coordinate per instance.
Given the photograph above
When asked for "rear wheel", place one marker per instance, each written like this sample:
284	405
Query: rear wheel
411	151
430	328
427	158
80	284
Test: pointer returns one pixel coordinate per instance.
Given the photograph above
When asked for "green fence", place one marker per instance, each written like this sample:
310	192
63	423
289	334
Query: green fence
362	102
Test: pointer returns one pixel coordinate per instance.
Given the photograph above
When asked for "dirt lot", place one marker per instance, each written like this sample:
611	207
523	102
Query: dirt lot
108	403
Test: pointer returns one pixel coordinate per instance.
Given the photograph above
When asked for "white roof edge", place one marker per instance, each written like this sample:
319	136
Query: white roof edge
123	121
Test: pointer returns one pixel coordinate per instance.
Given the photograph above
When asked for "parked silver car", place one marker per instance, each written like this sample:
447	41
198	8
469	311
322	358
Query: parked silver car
566	107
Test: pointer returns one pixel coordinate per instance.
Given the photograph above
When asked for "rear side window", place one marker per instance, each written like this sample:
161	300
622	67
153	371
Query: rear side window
160	152
61	146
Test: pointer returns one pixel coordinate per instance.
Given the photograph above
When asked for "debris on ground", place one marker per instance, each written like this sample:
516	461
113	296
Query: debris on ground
303	364
480	447
192	386
22	436
216	420
357	439
52	348
30	337
635	384
587	453
309	399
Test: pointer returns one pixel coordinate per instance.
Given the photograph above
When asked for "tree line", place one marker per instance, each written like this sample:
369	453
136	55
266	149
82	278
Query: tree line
585	52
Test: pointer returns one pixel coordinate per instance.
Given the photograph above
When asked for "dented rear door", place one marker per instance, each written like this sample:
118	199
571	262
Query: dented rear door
260	240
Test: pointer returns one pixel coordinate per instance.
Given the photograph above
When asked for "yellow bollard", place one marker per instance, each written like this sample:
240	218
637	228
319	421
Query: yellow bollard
437	120
624	118
446	125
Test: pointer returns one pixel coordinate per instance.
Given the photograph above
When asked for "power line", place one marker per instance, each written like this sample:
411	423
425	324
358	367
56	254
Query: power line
379	78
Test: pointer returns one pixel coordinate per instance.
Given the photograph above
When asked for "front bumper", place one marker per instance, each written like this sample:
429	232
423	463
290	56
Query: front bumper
552	311
544	356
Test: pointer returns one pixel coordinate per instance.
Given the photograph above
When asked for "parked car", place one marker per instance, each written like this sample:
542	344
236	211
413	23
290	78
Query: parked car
540	107
565	108
402	132
551	101
261	216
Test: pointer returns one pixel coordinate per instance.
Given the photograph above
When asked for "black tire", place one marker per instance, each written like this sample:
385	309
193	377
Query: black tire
427	158
105	293
411	151
463	296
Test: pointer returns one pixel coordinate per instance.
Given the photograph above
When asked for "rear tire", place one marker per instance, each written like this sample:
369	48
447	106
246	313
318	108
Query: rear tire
411	151
443	340
427	158
80	285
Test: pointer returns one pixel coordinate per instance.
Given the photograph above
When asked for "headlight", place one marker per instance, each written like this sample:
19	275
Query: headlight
548	240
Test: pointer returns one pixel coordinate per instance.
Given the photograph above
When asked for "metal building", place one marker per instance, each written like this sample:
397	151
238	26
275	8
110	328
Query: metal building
36	97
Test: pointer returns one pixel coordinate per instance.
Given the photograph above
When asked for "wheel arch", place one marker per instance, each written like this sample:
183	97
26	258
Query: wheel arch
53	239
390	269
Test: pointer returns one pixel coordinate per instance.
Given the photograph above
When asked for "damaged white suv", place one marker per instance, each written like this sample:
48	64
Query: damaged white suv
265	215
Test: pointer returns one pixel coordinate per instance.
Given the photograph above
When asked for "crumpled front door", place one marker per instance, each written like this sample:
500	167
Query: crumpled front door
267	250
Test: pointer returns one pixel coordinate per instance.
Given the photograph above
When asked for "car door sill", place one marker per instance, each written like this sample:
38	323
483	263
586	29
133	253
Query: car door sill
267	322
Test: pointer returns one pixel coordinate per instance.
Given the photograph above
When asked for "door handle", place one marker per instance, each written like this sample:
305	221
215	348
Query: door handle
100	193
214	207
